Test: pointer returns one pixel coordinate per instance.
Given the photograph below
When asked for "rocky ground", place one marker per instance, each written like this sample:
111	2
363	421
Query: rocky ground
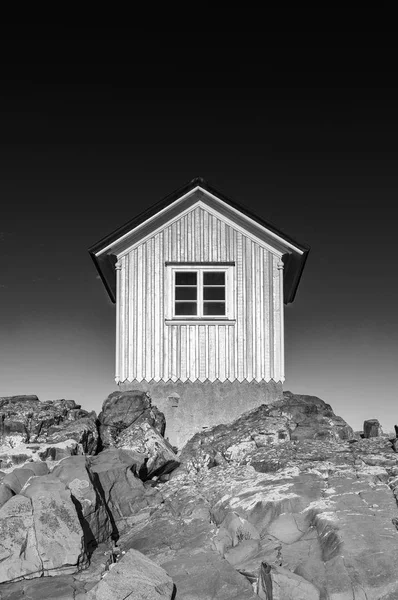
285	503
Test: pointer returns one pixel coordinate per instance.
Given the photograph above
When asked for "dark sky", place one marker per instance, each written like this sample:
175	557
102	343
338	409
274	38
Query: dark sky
96	126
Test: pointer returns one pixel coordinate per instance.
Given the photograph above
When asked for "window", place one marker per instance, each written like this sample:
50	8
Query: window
200	292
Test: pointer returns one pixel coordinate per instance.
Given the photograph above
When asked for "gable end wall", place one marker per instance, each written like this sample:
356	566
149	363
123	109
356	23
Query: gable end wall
148	350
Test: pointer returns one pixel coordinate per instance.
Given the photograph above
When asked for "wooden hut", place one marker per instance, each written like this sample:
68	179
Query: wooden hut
200	283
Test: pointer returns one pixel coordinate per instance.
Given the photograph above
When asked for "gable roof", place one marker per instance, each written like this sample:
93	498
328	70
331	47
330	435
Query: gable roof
105	251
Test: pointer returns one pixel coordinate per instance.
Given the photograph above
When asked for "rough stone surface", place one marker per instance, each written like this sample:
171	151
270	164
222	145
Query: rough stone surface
24	419
122	491
5	494
59	536
284	503
293	418
372	428
19	556
145	439
83	430
124	409
17	479
134	576
320	512
75	474
24	454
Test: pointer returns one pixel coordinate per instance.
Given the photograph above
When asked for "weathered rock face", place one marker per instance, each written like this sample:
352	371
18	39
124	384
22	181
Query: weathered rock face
40	532
83	430
123	493
124	409
146	440
94	517
135	576
24	419
295	518
372	428
282	504
311	418
293	418
19	455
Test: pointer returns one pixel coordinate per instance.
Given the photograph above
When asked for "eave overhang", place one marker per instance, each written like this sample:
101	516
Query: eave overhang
104	253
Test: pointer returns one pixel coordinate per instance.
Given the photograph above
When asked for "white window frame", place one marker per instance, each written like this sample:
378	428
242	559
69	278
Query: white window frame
172	318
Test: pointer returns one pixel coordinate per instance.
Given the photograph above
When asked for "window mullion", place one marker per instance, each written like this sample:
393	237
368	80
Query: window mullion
200	293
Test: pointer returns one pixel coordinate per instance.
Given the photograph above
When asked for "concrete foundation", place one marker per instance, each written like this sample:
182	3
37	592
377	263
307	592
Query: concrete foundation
192	407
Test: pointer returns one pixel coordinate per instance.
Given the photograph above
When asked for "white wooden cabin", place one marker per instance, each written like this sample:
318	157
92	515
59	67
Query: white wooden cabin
200	284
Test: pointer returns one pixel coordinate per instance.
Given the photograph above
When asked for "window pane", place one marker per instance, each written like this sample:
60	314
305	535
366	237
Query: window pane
214	308
186	308
185	293
214	278
186	278
214	293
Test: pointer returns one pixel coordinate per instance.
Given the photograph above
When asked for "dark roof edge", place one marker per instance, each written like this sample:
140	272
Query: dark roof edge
144	215
103	278
164	202
299	274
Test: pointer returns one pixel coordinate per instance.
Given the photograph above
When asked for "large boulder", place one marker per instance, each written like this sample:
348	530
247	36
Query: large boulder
40	532
24	419
295	417
83	430
310	417
145	439
17	479
59	536
123	409
19	554
114	474
75	474
134	576
5	494
372	428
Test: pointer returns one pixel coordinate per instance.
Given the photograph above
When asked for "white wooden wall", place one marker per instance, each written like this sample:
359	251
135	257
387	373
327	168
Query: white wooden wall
148	349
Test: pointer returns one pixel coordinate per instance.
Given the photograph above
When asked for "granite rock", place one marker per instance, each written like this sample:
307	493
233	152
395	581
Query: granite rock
24	419
134	576
372	428
94	517
120	410
160	457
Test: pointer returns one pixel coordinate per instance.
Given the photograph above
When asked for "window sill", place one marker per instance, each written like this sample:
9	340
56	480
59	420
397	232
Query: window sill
200	321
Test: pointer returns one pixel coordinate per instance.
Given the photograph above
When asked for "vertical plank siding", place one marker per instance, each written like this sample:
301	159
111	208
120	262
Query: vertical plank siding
250	349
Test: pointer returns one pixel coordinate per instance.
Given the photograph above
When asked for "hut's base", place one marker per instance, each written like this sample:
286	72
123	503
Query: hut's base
192	407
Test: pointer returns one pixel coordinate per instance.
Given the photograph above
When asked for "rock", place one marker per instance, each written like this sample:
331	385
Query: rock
19	556
5	494
74	472
233	531
310	517
145	439
372	428
17	479
134	576
62	587
83	430
59	450
37	467
122	491
123	409
35	453
24	419
277	583
59	536
269	427
311	418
